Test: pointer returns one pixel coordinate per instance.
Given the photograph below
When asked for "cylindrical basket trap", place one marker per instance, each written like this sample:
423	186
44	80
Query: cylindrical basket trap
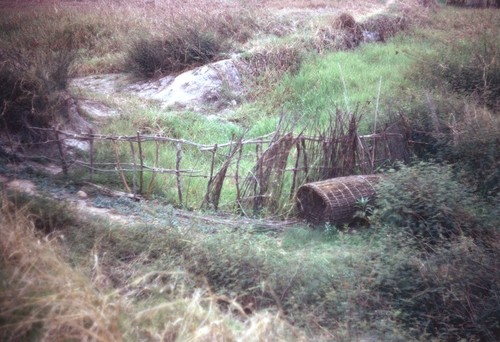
334	200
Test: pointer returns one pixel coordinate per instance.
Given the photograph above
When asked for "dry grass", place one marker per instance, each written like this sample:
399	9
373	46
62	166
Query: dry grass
103	31
357	8
44	298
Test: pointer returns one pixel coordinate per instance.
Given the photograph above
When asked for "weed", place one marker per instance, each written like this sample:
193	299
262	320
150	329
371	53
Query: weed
456	103
268	65
386	25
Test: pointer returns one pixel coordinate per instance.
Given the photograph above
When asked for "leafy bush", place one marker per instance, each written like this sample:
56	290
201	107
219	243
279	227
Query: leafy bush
441	255
186	48
426	205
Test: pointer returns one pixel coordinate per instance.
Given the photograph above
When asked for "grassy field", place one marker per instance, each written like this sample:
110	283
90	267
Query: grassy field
427	268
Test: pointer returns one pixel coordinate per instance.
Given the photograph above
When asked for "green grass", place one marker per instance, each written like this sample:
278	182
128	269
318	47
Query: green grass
178	125
348	80
328	284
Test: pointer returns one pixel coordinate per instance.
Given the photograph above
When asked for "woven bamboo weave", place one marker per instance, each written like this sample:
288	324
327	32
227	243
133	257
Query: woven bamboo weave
334	200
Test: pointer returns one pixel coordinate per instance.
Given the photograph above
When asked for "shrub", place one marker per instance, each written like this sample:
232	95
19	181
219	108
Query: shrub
472	146
32	91
187	48
474	3
268	65
439	272
426	205
386	25
342	33
45	215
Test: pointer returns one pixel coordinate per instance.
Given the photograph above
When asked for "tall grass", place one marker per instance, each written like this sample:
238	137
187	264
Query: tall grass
457	99
103	31
44	297
347	80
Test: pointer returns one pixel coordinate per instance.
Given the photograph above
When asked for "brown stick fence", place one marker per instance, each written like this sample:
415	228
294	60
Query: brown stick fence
278	156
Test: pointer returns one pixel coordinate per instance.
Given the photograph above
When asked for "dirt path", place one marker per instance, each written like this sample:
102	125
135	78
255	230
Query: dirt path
120	208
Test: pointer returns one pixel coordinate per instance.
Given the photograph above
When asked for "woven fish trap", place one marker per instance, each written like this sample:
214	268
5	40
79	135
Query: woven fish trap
334	200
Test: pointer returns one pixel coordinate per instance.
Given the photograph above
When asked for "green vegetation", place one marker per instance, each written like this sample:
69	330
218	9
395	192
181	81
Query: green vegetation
409	276
347	80
426	268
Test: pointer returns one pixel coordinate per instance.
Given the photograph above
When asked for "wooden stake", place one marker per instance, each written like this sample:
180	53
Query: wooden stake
153	175
237	177
375	125
256	197
306	169
61	153
210	179
141	161
178	174
294	178
134	173
119	167
91	153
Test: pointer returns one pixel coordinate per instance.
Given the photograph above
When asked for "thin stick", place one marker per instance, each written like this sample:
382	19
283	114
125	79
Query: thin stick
134	173
210	179
118	166
91	153
178	174
186	173
201	147
150	185
237	177
375	124
141	161
61	153
295	169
